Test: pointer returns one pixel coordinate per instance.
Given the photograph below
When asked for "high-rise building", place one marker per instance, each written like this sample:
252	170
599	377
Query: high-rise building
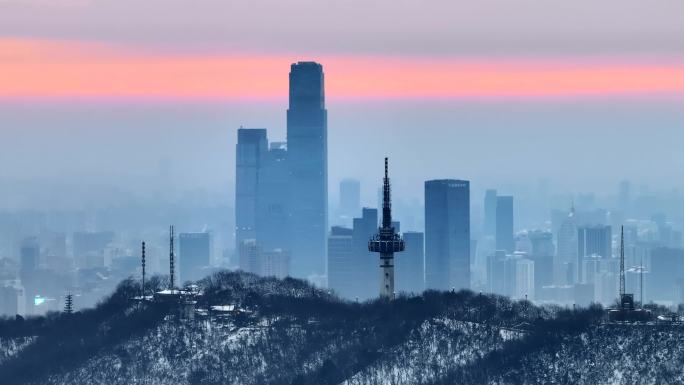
12	301
504	224
667	273
365	265
89	248
496	274
272	219
350	197
593	241
194	255
447	234
524	279
566	262
307	140
275	263
490	213
29	256
250	254
341	273
251	149
410	265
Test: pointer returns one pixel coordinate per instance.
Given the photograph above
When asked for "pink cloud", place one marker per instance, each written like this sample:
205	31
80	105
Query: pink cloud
66	70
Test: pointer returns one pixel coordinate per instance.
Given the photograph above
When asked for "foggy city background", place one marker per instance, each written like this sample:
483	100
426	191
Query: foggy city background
341	192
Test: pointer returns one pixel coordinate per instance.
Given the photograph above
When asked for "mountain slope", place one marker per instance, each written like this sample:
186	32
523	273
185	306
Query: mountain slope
292	333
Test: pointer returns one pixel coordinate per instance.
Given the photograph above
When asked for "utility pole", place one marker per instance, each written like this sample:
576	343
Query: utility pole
172	280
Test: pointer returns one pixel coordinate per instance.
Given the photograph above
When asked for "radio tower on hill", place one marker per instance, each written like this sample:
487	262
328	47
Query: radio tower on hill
386	242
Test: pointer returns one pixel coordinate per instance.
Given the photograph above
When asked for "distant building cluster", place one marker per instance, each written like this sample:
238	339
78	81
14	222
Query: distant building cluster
284	226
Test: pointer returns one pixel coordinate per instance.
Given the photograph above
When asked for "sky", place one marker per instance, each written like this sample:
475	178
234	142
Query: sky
147	96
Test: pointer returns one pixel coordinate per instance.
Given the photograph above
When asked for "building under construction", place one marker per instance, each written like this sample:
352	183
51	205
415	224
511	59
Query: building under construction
625	311
386	242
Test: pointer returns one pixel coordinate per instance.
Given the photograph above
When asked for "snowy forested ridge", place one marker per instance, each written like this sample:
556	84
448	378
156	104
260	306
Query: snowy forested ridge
292	333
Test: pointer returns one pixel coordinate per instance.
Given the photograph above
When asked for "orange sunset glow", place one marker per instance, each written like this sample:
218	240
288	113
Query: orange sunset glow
62	69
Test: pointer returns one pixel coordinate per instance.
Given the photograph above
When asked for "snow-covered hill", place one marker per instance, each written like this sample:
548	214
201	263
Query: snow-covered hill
292	333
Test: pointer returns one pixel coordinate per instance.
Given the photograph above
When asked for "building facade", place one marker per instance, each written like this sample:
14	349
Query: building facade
307	141
447	234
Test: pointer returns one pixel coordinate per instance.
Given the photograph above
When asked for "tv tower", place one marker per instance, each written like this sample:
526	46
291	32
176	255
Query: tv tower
386	241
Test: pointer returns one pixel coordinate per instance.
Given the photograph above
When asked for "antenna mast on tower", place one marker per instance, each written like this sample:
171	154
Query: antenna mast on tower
142	286
172	280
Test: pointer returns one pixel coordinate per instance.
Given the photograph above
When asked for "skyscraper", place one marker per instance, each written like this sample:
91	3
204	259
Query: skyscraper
272	220
365	266
410	265
490	213
447	234
252	145
307	140
194	255
341	277
593	241
504	224
566	262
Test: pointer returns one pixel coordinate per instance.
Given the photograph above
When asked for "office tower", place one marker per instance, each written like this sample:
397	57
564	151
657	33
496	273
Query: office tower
12	301
565	264
504	224
275	263
251	148
89	248
249	254
307	140
593	241
524	279
365	265
29	256
447	234
410	265
490	213
386	242
341	277
496	272
272	220
542	242
350	197
194	255
667	273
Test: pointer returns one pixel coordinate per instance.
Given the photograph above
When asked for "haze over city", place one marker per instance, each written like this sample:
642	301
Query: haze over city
341	192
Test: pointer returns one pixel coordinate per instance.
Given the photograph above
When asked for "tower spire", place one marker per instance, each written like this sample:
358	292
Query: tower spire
386	199
386	241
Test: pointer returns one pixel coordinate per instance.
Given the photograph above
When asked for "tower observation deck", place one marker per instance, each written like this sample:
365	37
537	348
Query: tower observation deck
386	242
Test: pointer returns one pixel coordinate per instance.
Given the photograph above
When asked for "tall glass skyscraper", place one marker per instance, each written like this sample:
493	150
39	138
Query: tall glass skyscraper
251	150
307	142
504	224
447	234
